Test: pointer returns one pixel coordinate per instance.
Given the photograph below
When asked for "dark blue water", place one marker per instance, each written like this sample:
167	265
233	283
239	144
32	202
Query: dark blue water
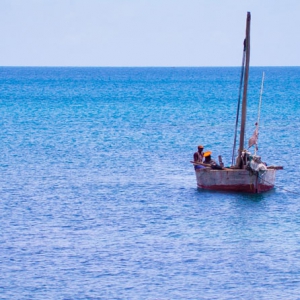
98	198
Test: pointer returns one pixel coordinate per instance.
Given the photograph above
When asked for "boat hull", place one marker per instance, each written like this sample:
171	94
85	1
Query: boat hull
235	180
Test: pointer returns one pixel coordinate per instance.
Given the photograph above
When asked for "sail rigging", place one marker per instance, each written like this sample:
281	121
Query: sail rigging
254	138
239	103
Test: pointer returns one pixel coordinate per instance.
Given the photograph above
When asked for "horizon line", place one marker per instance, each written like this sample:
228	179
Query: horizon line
58	66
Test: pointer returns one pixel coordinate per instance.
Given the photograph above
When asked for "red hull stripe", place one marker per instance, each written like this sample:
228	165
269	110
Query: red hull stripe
247	188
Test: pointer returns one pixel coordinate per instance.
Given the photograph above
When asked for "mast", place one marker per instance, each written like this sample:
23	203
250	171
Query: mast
244	102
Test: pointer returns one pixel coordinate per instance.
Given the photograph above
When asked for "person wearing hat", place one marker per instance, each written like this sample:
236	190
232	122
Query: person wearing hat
209	161
198	156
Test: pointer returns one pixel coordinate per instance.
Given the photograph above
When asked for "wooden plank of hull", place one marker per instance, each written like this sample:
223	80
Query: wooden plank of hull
237	180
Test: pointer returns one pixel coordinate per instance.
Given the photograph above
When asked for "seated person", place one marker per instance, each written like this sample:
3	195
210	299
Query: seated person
209	161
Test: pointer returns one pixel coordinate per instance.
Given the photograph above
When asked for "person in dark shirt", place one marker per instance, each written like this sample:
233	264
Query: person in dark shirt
209	161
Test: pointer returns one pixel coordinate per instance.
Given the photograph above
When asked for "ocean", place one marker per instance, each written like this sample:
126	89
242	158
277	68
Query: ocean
98	198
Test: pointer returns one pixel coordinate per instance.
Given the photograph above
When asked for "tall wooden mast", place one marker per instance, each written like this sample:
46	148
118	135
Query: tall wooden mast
244	103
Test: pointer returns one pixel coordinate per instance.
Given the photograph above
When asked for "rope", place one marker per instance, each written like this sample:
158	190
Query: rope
239	101
296	193
253	172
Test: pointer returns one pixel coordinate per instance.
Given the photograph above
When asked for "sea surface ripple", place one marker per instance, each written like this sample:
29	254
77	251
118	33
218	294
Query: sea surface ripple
98	198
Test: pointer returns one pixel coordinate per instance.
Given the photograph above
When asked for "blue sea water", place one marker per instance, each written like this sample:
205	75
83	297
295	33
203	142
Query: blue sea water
98	197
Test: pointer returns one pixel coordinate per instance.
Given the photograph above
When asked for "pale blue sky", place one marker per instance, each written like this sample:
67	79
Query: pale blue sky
147	32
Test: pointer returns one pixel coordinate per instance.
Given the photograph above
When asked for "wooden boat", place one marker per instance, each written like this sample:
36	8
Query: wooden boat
247	173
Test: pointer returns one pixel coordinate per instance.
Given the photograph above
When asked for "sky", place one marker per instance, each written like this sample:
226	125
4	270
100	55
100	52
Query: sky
117	33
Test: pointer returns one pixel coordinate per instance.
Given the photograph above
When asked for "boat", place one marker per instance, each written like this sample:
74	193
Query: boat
247	172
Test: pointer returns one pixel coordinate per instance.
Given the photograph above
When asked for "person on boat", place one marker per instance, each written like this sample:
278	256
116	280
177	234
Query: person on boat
198	156
209	161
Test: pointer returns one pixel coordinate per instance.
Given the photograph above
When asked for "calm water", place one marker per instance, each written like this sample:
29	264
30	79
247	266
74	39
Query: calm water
98	198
